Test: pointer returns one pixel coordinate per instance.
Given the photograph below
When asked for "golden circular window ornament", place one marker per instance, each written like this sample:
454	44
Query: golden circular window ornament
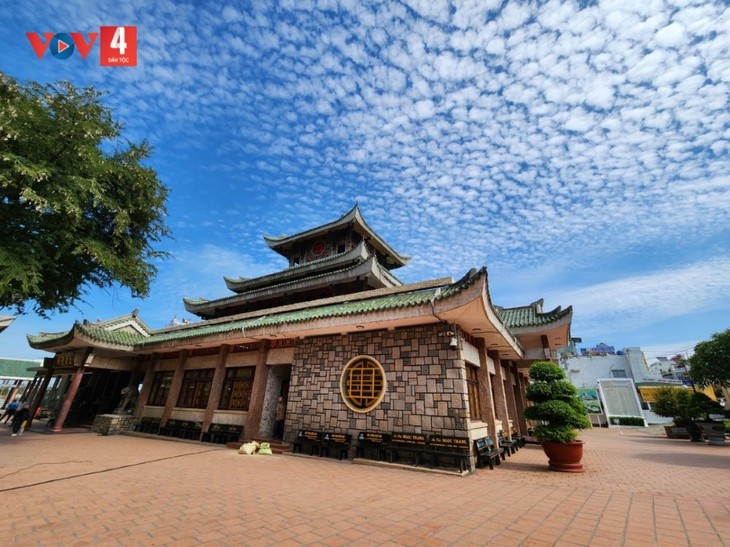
362	383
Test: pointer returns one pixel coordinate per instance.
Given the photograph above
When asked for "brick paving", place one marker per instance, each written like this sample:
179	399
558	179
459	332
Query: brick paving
85	489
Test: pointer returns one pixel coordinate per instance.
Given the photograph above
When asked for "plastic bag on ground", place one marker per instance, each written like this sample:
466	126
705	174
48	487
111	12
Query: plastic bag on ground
249	449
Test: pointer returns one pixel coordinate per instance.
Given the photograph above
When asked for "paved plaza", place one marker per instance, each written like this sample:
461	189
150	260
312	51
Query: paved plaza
79	488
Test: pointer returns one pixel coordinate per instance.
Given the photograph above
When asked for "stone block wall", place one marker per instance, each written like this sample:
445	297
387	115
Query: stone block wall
113	424
425	393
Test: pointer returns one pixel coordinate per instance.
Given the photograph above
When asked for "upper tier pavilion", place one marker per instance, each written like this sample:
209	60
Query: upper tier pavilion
338	258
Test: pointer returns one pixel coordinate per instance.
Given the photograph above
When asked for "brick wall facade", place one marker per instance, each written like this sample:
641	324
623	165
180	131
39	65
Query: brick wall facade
425	393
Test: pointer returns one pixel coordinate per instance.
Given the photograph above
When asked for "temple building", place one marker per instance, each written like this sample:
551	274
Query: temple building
333	342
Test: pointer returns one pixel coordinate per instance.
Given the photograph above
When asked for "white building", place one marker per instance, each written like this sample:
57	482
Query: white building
612	383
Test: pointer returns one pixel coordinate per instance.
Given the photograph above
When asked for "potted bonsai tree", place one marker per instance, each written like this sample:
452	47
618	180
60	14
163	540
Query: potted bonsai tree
709	367
559	413
688	409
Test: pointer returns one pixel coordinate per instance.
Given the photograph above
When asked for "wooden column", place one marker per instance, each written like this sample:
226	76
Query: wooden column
258	393
485	390
500	403
30	390
215	389
39	396
175	385
144	396
68	401
509	392
546	348
520	400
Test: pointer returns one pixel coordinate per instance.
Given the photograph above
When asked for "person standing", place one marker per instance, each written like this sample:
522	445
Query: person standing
10	411
20	420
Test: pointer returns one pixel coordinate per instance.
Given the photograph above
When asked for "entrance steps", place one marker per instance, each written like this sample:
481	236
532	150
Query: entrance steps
277	445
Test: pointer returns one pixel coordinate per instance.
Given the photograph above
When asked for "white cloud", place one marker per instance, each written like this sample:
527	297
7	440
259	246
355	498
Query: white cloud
672	35
650	298
470	132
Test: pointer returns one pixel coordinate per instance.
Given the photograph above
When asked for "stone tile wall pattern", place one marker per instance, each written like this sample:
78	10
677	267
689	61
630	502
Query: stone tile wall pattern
426	388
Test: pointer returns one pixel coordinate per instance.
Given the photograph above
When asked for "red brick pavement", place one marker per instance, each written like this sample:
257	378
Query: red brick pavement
84	489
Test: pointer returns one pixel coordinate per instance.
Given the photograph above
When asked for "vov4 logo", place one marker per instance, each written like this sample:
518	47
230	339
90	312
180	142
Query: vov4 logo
117	45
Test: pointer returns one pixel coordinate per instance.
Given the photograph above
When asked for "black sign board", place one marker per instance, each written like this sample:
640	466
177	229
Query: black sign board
449	443
308	435
341	438
374	437
415	439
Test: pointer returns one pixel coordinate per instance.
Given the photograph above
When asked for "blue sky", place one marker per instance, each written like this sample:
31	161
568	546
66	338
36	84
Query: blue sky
580	150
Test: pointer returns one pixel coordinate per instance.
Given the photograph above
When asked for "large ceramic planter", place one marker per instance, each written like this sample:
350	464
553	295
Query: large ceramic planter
565	457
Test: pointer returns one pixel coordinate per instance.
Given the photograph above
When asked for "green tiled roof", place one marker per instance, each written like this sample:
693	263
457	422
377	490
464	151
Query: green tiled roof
357	254
45	337
276	287
283	286
529	316
118	337
206	328
18	367
194	301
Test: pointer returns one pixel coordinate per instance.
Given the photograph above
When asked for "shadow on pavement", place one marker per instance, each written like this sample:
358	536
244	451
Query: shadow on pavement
705	461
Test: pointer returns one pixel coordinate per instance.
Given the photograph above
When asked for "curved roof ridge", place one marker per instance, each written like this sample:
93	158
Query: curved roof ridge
276	243
360	251
271	241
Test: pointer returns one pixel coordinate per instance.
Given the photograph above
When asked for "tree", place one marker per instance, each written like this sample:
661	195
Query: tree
77	206
556	404
683	405
710	363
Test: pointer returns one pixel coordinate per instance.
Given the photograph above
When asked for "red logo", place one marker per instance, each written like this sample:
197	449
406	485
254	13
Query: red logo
64	48
118	45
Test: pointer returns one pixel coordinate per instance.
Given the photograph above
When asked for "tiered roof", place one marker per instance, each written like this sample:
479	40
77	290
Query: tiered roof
368	297
363	263
353	219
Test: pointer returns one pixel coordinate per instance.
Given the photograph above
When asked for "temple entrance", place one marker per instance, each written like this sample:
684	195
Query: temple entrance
100	392
275	403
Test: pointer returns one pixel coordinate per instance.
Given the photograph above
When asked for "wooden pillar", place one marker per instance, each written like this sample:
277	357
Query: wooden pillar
546	347
500	403
215	389
70	394
39	395
175	385
149	378
486	400
520	387
30	390
258	393
509	382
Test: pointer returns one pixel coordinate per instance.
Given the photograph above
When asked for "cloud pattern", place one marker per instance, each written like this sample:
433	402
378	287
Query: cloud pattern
533	137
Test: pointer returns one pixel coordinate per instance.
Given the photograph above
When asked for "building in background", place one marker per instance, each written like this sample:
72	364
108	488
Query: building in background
609	382
16	375
619	386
